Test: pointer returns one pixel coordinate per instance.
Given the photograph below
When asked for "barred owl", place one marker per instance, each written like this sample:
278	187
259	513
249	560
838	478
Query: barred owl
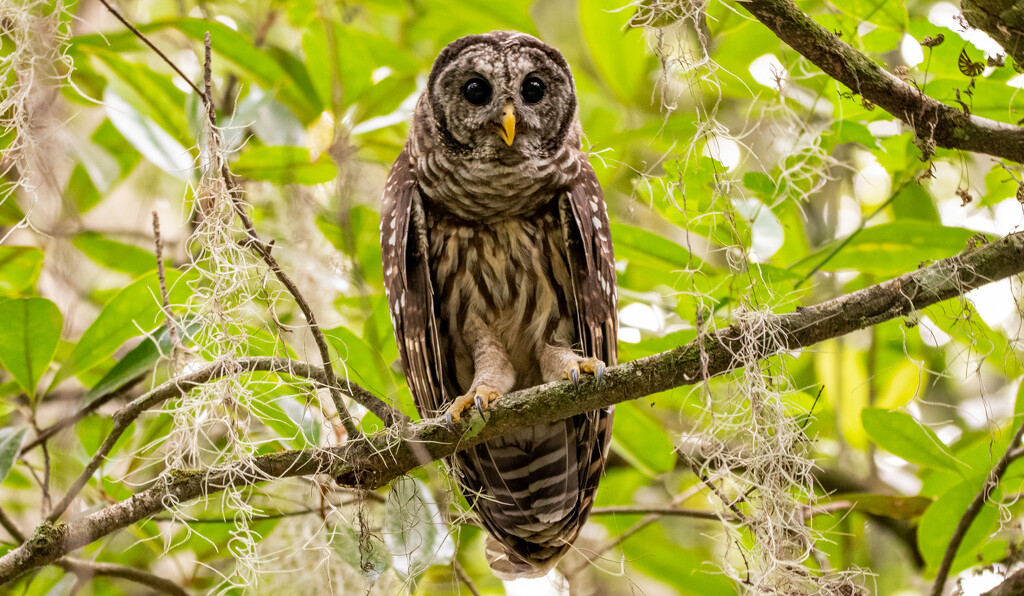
500	275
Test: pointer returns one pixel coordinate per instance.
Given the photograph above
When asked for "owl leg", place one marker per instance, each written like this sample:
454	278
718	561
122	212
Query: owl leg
560	362
492	375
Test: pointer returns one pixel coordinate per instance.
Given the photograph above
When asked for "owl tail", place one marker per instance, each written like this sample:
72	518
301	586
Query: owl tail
507	565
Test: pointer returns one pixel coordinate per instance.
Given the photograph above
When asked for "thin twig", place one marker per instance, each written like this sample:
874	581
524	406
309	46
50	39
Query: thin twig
87	569
387	414
124	417
11	527
995	475
663	511
172	328
464	577
146	41
82	412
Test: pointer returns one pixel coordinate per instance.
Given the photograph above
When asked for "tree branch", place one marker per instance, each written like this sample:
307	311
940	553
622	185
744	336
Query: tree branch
931	120
379	458
995	475
991	16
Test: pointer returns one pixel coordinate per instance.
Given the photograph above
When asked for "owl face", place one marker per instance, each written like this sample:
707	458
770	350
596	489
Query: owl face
502	95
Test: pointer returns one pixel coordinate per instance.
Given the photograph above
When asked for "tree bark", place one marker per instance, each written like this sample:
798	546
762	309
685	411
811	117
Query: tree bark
375	460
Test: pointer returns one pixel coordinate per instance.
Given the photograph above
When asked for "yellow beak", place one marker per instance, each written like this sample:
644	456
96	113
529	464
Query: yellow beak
507	132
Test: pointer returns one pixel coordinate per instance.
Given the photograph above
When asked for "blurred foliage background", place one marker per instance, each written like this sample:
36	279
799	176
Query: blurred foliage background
739	180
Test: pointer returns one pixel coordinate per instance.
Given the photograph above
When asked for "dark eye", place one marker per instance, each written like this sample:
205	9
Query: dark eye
477	91
533	90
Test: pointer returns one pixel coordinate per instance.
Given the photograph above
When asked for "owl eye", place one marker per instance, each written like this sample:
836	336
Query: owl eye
533	90
477	91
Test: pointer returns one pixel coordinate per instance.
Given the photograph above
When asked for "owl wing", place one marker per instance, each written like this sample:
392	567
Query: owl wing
592	267
410	291
591	264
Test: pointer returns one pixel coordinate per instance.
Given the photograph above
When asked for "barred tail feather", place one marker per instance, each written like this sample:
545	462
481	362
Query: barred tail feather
506	565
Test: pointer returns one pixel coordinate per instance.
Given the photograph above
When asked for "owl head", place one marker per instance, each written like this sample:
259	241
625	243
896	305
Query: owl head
501	95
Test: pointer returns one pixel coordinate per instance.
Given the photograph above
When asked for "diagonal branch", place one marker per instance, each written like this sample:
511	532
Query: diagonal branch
995	475
379	458
931	120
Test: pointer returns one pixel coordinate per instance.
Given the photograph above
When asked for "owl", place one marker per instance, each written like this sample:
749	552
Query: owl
500	275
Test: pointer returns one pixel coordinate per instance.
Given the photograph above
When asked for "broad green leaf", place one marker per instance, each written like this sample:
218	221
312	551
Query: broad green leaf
640	439
900	434
842	372
81	191
284	165
619	54
1018	404
19	268
414	530
28	338
891	248
115	255
10	445
362	363
135	308
147	137
940	520
362	552
151	94
136	362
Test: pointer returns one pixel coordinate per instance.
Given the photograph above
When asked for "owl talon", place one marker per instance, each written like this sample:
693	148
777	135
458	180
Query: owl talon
481	396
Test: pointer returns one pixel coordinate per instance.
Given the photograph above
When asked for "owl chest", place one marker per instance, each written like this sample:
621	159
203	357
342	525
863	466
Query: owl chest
511	275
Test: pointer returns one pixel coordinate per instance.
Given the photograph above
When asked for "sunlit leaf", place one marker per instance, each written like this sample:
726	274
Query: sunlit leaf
10	445
28	338
19	269
902	435
641	439
940	521
134	309
115	255
284	165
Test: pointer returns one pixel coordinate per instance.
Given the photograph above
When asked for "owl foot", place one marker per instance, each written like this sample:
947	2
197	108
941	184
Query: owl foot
481	396
587	365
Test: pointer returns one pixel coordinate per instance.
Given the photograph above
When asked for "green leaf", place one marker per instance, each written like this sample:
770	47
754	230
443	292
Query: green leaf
115	255
81	191
135	308
891	248
900	434
639	438
10	445
940	521
19	268
284	165
363	553
619	54
28	338
894	507
414	531
136	362
362	363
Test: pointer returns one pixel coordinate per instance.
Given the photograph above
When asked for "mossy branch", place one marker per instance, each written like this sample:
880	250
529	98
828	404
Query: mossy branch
376	459
931	120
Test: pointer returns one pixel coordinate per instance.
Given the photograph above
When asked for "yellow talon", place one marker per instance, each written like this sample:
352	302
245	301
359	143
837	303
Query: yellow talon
482	396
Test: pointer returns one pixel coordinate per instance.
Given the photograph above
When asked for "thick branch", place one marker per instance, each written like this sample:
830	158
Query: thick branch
931	120
1002	19
377	459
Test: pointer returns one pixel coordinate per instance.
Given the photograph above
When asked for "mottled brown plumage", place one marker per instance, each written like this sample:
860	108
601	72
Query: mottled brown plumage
500	275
